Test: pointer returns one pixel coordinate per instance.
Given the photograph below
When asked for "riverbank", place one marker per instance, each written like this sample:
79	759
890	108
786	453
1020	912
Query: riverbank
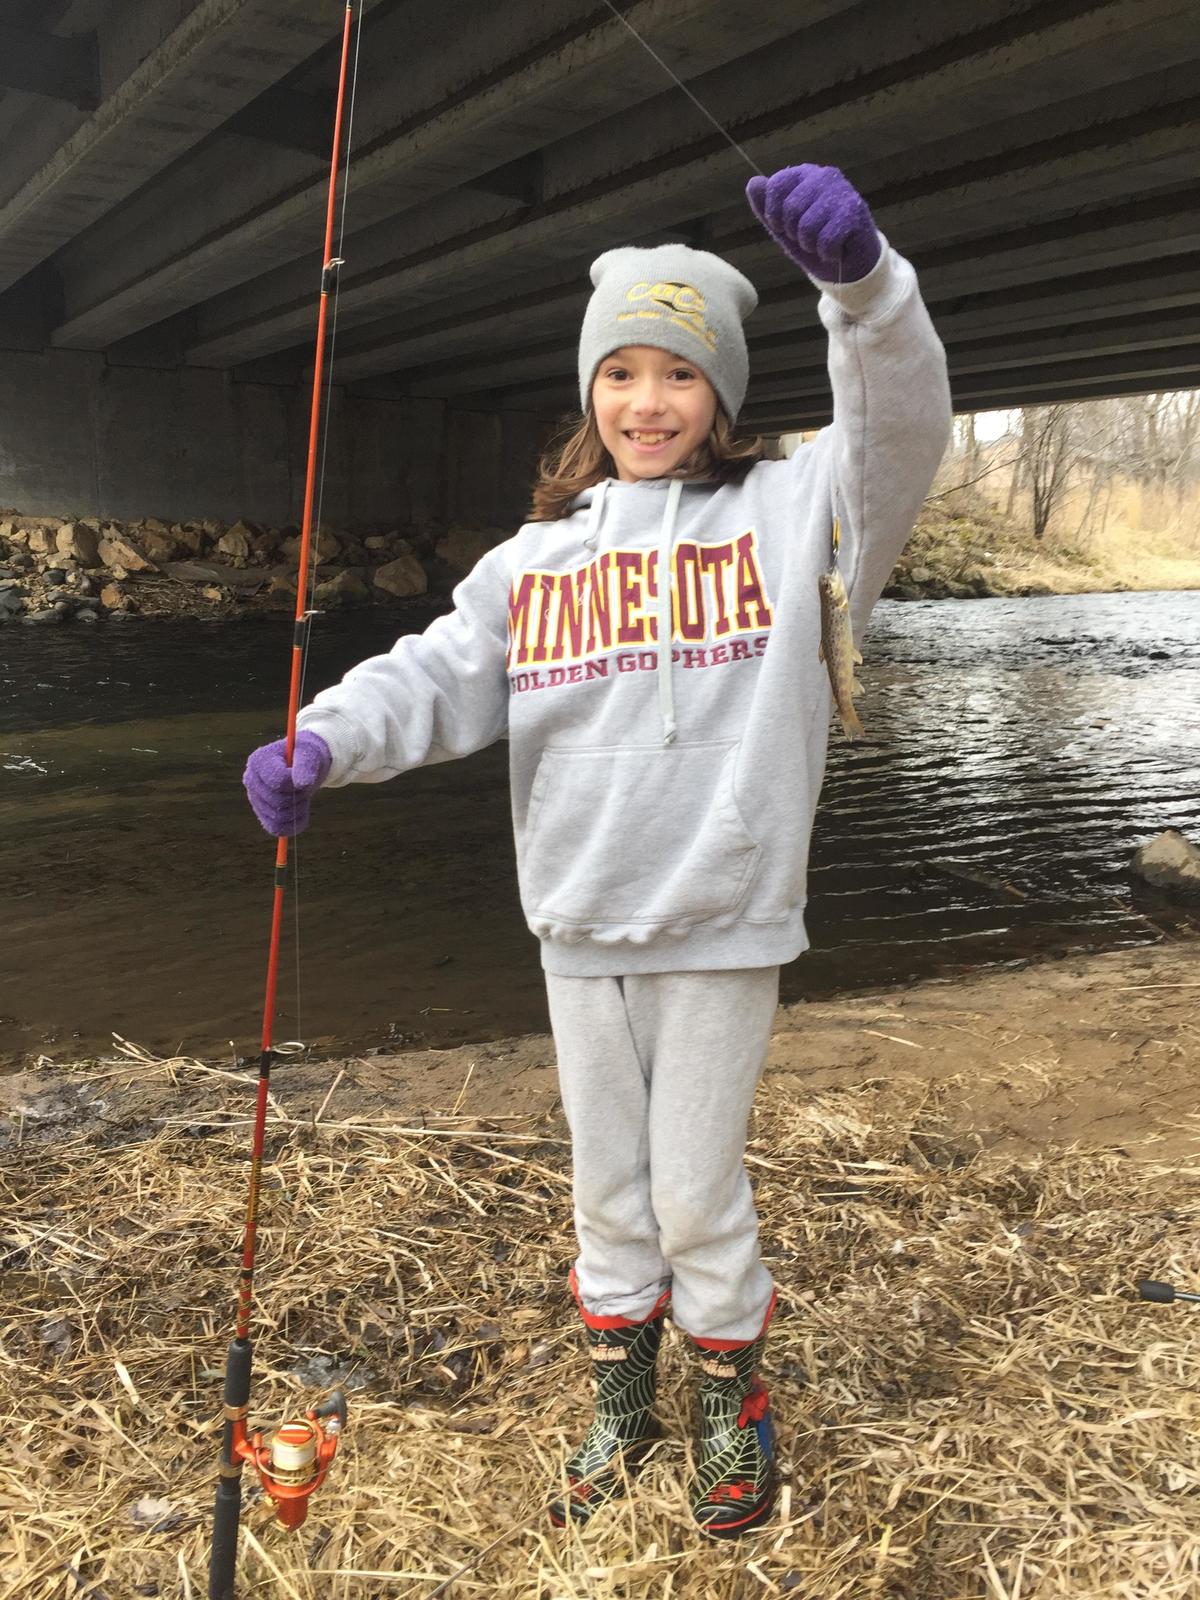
959	1183
963	548
72	570
1097	1047
1019	753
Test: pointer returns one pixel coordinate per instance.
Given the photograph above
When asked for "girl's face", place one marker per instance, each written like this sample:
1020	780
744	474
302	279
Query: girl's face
652	409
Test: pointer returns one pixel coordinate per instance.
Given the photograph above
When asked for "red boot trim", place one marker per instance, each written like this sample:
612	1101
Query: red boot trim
601	1324
736	1344
758	1513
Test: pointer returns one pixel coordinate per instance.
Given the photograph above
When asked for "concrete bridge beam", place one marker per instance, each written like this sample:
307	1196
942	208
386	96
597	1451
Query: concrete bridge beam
214	62
1033	66
522	361
44	64
1050	389
555	82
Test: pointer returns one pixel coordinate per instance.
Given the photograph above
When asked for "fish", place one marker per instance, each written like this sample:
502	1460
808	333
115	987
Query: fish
837	649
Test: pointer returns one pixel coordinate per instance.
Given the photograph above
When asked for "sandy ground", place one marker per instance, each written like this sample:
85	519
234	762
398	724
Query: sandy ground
1103	1050
1098	1049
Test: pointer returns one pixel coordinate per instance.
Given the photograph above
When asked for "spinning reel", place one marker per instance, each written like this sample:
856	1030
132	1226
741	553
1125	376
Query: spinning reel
293	1461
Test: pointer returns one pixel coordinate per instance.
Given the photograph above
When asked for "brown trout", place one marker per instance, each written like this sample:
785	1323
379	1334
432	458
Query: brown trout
837	649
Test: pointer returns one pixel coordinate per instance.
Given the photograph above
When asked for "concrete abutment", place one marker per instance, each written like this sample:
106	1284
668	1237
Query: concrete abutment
80	436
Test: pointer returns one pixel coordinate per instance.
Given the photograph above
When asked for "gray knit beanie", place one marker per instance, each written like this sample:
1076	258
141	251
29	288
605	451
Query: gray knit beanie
687	301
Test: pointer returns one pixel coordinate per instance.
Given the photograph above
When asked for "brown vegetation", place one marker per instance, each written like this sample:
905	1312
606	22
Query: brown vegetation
1097	496
959	1185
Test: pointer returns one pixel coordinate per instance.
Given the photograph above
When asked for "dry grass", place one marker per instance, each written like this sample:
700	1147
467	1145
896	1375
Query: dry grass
1136	539
969	1400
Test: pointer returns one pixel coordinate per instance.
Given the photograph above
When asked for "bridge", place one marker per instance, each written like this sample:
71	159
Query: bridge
162	172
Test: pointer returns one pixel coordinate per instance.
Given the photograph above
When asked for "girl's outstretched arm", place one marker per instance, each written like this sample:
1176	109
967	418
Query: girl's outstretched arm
433	697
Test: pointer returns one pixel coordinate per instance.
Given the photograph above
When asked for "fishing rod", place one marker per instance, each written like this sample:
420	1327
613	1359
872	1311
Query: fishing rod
291	1462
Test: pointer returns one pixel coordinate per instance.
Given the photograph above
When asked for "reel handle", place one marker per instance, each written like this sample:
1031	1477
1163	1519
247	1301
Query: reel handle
334	1408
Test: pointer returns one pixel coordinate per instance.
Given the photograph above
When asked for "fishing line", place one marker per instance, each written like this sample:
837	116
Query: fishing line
678	82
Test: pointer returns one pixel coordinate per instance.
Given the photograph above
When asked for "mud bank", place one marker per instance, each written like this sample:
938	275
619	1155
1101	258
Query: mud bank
1094	1048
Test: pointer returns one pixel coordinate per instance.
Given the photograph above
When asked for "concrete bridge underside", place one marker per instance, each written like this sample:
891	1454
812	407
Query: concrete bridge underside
163	164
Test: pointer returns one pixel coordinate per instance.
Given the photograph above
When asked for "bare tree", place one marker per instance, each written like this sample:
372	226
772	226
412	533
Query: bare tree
1084	456
1046	449
1016	483
967	443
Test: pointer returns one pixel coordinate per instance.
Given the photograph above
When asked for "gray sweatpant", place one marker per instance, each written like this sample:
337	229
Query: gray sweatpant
658	1072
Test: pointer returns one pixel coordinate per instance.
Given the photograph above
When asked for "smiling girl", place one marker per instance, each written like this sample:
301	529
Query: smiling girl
648	643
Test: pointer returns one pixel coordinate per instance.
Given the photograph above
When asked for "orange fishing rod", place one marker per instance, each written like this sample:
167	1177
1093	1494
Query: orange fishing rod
293	1460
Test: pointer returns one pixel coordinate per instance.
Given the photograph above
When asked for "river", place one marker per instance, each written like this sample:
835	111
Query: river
1031	742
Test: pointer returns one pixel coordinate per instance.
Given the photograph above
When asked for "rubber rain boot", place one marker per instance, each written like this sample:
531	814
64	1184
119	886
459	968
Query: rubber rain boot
733	1490
624	1358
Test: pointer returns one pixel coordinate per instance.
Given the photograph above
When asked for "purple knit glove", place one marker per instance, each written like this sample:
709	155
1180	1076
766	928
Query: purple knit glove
280	794
819	220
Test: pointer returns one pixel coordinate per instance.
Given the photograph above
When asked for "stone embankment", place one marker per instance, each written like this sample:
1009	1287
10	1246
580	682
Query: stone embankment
85	569
956	582
82	570
973	556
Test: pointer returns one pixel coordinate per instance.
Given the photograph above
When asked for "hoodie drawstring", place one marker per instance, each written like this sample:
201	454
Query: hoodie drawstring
595	512
666	542
666	551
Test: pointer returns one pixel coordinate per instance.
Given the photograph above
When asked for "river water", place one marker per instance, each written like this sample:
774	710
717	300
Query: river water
1033	743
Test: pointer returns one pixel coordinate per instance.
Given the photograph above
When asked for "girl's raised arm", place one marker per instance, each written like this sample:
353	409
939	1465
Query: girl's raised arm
891	419
891	396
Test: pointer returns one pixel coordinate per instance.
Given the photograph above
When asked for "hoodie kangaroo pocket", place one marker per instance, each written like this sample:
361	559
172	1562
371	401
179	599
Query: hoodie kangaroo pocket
638	836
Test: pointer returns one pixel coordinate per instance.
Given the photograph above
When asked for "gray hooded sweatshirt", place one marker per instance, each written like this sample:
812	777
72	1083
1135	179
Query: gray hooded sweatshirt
652	660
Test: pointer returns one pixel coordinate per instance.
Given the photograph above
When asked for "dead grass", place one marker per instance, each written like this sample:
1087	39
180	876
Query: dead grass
970	1402
962	531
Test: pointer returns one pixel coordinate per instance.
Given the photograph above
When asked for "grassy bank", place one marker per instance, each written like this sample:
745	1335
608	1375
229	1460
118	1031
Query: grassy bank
964	545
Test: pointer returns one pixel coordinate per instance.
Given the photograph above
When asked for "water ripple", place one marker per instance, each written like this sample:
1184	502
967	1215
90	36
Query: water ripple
1018	752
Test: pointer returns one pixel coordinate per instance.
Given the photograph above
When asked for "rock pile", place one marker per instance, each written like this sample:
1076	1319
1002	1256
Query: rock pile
55	570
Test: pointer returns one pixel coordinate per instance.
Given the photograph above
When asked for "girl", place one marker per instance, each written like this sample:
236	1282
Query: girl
648	643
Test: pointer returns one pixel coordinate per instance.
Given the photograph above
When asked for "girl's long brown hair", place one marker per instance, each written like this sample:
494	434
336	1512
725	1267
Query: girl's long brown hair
579	460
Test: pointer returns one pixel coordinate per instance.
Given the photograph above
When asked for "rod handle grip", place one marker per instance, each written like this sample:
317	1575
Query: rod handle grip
227	1508
222	1565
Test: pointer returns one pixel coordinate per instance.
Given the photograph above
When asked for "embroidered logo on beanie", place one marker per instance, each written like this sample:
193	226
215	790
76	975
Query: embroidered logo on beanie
680	303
